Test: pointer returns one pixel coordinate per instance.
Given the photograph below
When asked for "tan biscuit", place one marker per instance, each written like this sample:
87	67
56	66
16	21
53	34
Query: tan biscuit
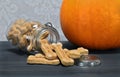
76	53
22	41
36	23
17	32
28	25
65	60
23	30
13	36
83	51
10	35
47	49
30	46
13	32
20	21
13	28
31	57
72	53
34	60
44	35
14	41
39	55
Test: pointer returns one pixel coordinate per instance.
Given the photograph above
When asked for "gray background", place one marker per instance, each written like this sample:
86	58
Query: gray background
40	10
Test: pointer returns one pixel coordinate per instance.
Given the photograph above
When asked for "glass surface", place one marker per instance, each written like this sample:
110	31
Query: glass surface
89	61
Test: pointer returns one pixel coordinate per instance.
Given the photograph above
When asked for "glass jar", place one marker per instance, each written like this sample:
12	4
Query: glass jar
27	35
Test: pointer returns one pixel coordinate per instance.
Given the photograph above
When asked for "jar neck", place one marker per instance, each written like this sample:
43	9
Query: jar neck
52	37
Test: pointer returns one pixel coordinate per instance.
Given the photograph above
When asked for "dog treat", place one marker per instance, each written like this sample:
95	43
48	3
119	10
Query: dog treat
76	53
22	41
14	40
14	28
24	28
35	24
20	21
44	35
83	51
10	35
30	46
13	32
47	49
41	60
13	36
72	53
65	60
39	55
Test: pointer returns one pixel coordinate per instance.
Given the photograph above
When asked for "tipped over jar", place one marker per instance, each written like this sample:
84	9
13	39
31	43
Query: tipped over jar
27	34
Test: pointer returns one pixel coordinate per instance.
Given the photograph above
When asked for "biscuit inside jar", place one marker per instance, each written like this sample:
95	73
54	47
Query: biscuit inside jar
22	32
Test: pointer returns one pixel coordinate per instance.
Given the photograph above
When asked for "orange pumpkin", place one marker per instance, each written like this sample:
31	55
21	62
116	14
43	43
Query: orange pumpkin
93	24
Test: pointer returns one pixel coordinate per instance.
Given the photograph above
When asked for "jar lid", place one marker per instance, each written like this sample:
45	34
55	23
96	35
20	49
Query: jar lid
89	61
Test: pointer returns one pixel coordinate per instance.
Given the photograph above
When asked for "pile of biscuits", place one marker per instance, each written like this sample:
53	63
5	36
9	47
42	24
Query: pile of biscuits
22	34
54	54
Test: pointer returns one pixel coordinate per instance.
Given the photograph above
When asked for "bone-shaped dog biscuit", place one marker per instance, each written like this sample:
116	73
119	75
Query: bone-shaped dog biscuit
22	41
44	35
30	46
20	21
65	60
83	51
47	49
41	60
76	53
39	55
72	53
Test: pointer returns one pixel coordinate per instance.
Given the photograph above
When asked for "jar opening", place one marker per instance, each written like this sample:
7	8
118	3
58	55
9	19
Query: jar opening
48	33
